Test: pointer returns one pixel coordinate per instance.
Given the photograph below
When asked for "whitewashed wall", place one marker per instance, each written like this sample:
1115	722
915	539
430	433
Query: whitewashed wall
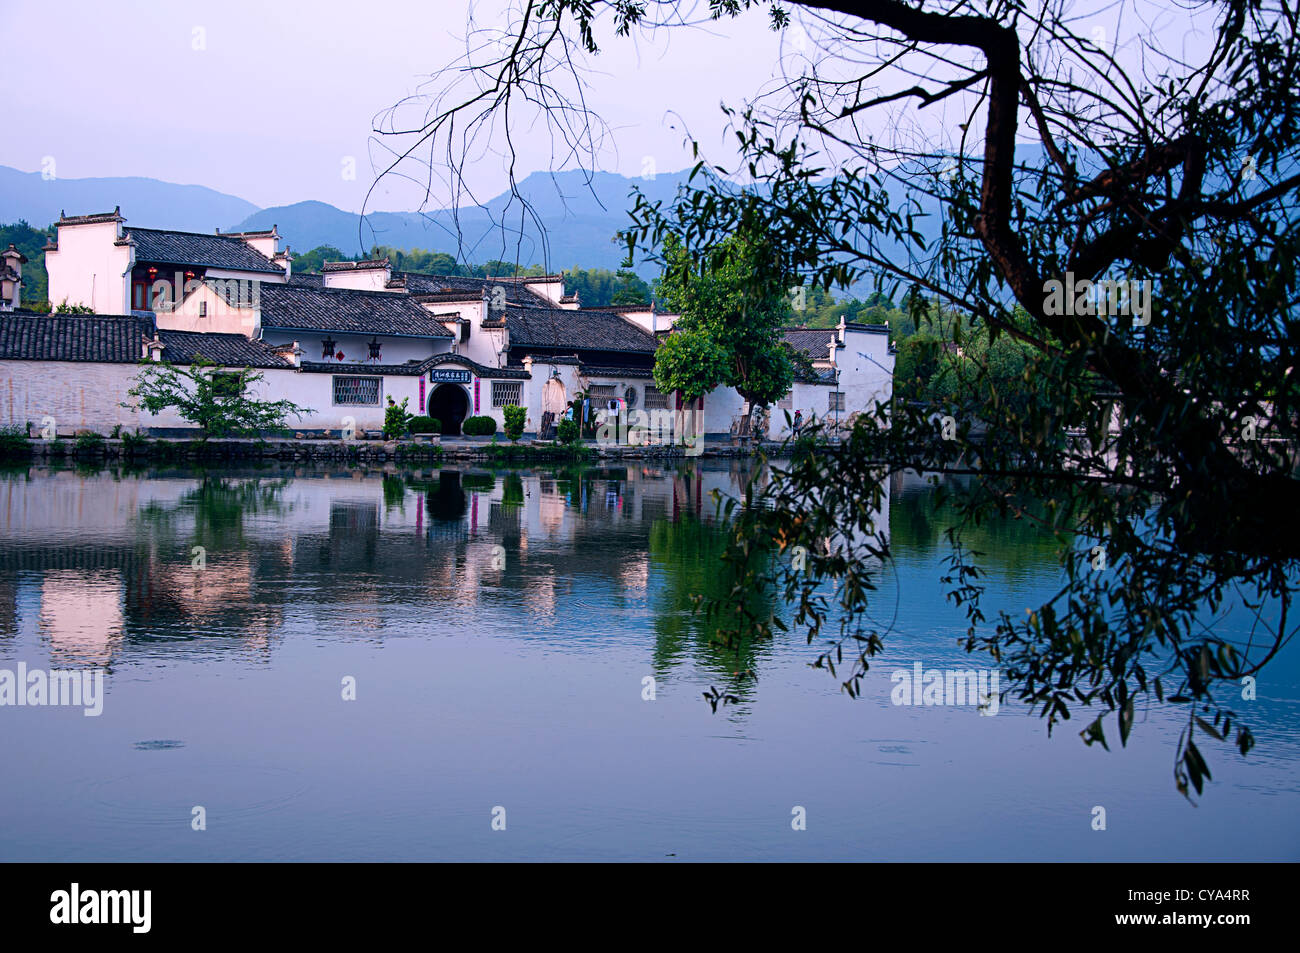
356	347
220	317
866	369
316	391
86	396
89	269
367	279
79	396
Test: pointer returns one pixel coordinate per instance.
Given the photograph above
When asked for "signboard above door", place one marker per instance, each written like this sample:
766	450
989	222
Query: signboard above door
449	376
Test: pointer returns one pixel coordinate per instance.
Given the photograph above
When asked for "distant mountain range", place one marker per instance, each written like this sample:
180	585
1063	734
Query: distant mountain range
580	221
30	197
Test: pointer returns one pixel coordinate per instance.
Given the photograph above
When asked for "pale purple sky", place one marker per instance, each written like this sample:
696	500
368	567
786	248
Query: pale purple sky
280	93
269	100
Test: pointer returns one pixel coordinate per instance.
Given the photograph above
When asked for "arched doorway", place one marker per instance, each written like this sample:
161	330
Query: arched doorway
552	407
449	404
553	397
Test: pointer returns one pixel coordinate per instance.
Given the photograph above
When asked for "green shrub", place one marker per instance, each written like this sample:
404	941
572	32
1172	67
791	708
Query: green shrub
424	424
14	442
478	426
131	442
397	419
515	419
566	431
89	442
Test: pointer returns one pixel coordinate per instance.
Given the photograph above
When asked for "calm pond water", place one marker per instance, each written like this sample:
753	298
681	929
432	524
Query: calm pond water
499	627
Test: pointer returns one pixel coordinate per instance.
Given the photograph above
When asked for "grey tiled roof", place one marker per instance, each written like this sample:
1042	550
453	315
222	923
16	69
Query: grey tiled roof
109	338
457	287
302	308
811	342
94	218
339	367
227	350
416	368
513	373
584	330
235	292
307	279
371	264
193	248
589	370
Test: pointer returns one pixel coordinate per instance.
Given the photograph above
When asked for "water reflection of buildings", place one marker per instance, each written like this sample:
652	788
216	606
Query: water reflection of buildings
95	561
108	558
82	615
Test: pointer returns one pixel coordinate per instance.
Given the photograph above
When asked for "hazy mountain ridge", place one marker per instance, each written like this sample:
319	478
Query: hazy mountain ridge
30	197
580	223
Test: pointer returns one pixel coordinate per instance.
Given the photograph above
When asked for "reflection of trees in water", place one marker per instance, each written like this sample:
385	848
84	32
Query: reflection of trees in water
688	553
919	517
168	588
218	506
512	489
394	492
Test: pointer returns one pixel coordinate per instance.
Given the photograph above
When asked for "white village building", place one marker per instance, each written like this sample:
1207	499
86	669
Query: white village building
343	341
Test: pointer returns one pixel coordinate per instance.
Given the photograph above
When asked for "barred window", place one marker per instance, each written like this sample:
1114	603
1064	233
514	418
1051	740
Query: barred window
786	402
226	384
602	390
655	399
507	392
361	391
835	401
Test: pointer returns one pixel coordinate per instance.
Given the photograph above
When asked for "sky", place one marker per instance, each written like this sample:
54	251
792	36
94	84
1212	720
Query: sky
268	101
275	102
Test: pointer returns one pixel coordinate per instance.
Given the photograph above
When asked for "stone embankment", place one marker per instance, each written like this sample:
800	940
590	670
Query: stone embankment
81	449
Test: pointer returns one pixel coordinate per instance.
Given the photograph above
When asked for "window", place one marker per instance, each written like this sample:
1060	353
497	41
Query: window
602	390
507	392
655	399
374	349
327	348
225	384
786	402
835	401
464	333
203	309
360	391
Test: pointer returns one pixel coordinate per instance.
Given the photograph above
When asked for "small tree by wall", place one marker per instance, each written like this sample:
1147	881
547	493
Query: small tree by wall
515	418
218	403
397	419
